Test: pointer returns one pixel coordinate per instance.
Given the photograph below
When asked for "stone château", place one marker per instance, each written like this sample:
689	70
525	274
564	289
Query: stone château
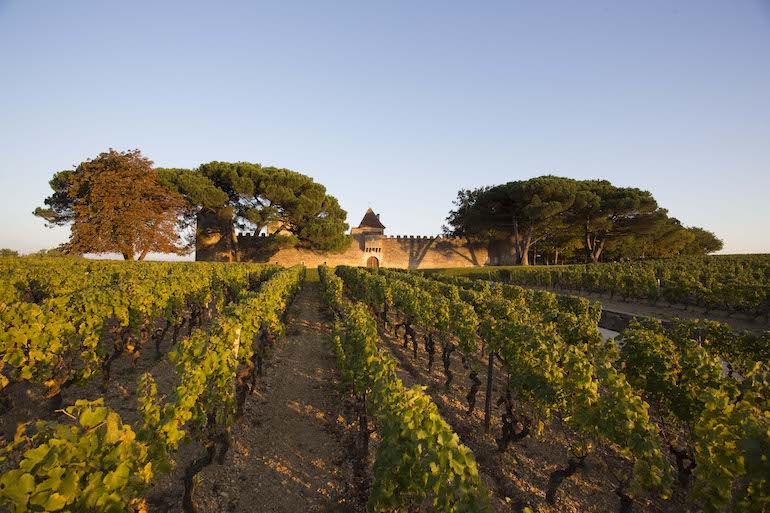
370	247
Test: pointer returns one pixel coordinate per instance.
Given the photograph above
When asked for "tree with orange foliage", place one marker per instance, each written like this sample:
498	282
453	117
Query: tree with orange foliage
116	204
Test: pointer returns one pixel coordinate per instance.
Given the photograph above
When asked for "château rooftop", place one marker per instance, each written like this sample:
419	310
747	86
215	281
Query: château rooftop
371	220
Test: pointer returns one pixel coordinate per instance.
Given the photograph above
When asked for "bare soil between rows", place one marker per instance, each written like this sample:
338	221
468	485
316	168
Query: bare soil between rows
294	449
519	476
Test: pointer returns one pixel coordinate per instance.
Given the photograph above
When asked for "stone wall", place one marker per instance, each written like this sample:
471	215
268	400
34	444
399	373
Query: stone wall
252	250
431	252
404	252
215	239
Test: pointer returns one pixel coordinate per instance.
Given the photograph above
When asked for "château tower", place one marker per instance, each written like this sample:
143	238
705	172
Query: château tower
370	231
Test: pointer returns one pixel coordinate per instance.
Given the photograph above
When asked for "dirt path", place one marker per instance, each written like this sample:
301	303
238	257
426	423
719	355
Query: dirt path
290	453
665	311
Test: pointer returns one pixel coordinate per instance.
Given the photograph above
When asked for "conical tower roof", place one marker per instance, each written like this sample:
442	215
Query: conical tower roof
371	220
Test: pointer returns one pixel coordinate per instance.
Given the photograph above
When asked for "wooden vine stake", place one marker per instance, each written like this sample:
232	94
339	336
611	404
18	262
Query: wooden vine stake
237	344
488	396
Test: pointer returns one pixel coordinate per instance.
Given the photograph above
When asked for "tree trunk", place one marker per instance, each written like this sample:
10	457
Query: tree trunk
144	254
128	254
235	250
526	243
589	245
516	245
596	251
556	257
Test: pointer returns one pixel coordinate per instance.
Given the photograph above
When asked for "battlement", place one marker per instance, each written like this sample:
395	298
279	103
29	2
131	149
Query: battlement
423	237
254	236
251	236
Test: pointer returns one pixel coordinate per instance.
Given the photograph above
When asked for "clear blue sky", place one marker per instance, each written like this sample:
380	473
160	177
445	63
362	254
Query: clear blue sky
400	104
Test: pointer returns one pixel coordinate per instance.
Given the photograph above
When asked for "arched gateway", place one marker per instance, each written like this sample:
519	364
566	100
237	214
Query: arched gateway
372	262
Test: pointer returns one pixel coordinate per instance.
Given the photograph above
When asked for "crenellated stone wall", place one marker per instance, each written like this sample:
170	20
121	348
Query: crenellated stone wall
431	252
399	251
404	252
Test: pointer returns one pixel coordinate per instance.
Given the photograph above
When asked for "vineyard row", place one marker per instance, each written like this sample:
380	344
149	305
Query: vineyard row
715	427
94	461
